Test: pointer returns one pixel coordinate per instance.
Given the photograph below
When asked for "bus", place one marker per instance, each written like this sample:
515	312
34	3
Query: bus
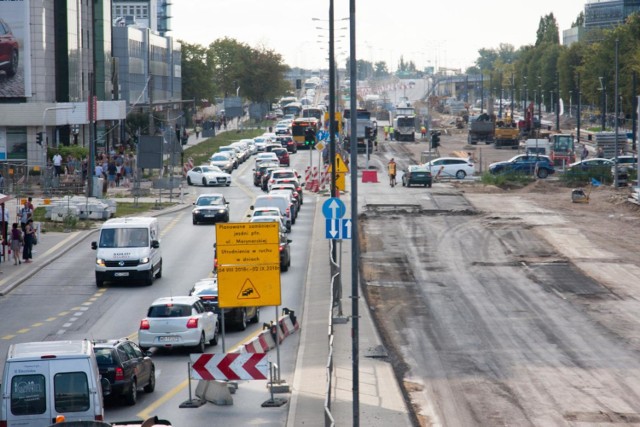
300	125
363	118
316	112
294	108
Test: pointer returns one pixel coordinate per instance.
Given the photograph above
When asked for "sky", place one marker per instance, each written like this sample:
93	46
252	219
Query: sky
427	32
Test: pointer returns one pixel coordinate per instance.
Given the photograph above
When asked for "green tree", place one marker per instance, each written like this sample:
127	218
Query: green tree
263	78
197	79
548	30
380	70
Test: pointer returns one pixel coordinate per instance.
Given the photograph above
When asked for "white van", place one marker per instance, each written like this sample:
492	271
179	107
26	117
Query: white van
43	380
128	249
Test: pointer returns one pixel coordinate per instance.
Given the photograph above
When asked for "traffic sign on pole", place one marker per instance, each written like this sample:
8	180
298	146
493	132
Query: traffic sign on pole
338	228
333	208
229	366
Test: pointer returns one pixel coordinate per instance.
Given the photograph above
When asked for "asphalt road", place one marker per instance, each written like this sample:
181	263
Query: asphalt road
63	302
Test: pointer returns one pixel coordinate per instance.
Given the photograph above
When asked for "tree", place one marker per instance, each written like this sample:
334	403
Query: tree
548	31
579	22
380	69
197	80
263	78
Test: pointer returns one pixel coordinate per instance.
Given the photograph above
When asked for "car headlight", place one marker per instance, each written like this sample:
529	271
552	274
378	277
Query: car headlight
196	211
144	260
100	262
222	211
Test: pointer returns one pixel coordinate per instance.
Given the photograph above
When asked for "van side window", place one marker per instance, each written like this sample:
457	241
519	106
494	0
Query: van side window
28	395
71	391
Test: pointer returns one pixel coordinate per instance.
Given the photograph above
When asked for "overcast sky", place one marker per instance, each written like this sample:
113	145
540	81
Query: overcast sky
427	32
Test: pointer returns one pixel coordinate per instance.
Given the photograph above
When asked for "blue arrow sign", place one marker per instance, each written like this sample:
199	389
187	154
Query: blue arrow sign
338	228
322	135
333	208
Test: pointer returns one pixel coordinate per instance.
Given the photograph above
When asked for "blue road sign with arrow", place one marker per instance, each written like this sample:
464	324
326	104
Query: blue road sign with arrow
338	227
333	208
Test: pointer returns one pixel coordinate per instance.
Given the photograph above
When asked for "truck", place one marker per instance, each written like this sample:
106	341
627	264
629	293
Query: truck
481	128
404	127
537	146
363	121
507	134
562	149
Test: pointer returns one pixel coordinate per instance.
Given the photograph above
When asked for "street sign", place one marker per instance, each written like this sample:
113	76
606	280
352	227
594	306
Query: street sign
338	228
253	285
229	366
340	164
322	135
319	145
333	208
340	181
248	264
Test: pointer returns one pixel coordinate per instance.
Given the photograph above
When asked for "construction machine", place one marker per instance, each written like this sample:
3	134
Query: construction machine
507	134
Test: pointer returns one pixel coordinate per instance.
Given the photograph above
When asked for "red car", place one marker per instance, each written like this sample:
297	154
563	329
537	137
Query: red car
283	156
8	50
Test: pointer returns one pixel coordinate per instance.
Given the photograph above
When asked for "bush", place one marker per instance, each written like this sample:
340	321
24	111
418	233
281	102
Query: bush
581	177
506	180
74	151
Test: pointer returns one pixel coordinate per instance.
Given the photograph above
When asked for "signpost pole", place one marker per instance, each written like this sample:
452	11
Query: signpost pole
276	338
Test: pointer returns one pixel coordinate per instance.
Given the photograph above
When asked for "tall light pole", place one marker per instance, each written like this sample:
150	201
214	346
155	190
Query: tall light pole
617	112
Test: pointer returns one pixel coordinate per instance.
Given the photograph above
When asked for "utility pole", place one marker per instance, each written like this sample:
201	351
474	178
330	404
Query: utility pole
634	107
617	112
557	102
579	111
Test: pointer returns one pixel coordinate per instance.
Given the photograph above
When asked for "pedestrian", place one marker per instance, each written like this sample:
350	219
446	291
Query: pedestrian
391	130
386	133
16	243
600	153
111	173
29	234
392	172
584	153
423	132
25	215
57	164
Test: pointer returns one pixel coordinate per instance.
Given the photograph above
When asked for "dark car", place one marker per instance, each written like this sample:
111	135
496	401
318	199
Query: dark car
285	252
283	156
210	208
207	291
416	175
525	164
261	170
9	49
126	367
266	177
288	142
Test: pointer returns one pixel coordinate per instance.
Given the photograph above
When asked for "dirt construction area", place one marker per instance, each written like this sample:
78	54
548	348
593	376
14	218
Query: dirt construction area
505	307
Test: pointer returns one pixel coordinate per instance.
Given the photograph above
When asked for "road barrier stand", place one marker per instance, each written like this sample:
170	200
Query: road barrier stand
191	402
273	385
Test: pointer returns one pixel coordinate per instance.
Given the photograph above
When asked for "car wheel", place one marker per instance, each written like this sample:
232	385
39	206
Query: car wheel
151	385
214	340
204	182
227	218
404	183
200	347
543	173
284	267
159	273
99	282
132	396
461	174
256	317
13	67
189	181
429	185
228	184
242	325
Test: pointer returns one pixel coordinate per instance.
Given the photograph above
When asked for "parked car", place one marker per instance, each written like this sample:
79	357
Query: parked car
450	167
416	175
208	175
591	164
207	291
211	207
179	321
526	164
9	50
222	160
126	367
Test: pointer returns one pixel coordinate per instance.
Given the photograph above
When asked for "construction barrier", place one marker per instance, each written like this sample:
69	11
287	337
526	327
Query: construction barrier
370	176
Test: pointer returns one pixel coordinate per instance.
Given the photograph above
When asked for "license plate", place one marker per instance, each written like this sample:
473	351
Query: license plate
168	339
121	274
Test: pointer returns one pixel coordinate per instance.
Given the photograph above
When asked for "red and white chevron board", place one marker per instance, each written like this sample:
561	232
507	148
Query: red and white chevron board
229	366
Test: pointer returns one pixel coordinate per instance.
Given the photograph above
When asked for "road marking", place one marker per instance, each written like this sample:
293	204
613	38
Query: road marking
8	337
144	414
23	330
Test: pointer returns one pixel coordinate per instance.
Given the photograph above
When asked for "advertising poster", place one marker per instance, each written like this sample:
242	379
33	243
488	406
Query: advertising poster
15	49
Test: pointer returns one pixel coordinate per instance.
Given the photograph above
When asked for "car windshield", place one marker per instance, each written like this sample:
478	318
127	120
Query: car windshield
271	212
103	356
169	310
281	175
219	157
211	169
205	291
124	238
209	201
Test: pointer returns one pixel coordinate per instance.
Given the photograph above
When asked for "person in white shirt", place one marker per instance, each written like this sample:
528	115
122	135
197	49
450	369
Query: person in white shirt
57	163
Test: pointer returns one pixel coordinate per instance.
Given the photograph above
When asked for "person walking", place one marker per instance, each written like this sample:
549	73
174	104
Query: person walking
392	172
16	243
386	133
57	164
28	242
584	153
25	215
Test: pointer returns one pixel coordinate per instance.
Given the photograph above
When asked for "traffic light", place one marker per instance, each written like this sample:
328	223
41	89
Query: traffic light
435	139
309	137
368	132
39	138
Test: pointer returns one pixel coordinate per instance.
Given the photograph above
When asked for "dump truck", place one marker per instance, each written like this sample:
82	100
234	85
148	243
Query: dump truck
507	134
481	128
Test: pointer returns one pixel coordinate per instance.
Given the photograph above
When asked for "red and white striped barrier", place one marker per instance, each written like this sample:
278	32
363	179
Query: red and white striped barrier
307	174
325	177
190	161
287	325
314	185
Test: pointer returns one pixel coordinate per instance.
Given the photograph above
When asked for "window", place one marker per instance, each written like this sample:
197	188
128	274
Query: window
28	396
71	391
129	350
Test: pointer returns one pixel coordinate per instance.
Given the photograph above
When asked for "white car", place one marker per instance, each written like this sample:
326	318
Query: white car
451	167
251	145
208	175
266	157
271	218
260	142
180	321
224	161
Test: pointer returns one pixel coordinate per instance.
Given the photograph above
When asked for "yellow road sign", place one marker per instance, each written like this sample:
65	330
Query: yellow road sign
248	254
340	181
340	165
247	234
249	285
319	145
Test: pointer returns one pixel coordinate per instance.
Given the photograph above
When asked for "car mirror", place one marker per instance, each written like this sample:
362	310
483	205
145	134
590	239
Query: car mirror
94	245
155	244
289	241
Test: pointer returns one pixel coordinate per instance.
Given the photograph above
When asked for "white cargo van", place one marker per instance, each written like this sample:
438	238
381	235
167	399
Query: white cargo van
43	380
128	249
280	201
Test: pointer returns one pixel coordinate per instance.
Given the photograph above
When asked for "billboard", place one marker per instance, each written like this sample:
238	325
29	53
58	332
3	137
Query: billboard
15	49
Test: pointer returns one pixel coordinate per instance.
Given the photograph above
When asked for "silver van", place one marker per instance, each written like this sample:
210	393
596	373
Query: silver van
280	201
44	380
